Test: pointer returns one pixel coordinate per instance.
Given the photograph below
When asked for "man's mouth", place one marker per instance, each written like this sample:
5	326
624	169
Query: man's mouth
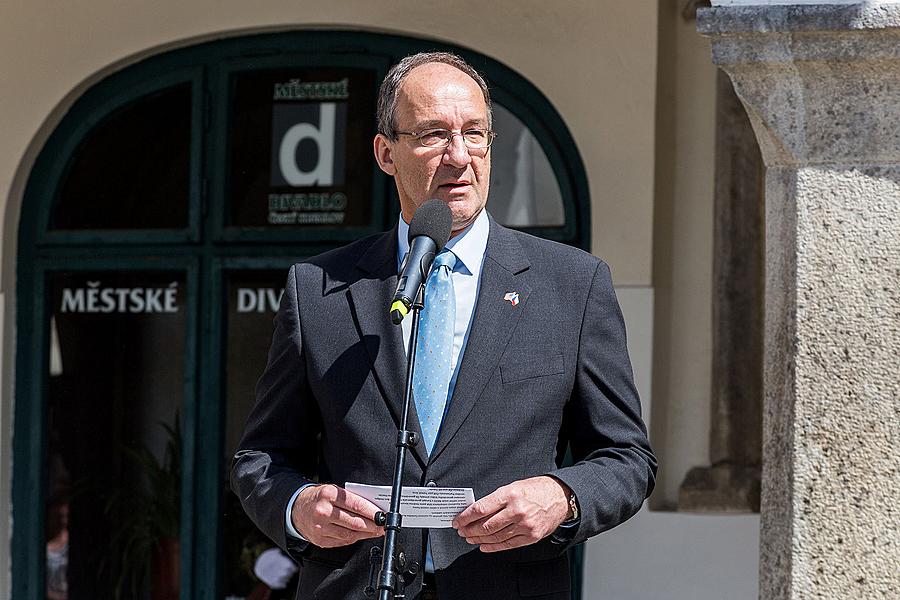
454	185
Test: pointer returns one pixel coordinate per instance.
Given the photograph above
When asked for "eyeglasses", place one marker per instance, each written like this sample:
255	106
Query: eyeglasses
474	139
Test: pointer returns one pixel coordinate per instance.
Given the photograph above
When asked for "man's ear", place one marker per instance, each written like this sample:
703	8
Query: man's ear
383	150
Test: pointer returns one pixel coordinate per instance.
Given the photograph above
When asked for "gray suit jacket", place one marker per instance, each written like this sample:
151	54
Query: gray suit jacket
549	372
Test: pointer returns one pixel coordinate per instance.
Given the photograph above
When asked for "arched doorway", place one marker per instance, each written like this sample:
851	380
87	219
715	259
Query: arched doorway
157	224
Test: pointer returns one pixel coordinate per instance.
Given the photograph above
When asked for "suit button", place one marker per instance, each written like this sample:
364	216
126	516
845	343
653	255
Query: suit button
431	483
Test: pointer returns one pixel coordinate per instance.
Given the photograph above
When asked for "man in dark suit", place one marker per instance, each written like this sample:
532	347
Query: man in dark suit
539	363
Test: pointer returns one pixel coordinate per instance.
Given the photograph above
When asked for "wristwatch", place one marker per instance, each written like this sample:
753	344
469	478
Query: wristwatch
573	506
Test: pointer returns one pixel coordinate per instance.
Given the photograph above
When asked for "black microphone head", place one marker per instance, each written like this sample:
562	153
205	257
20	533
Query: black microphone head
432	219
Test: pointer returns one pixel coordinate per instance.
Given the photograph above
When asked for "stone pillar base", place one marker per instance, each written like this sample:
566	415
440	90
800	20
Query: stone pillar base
724	488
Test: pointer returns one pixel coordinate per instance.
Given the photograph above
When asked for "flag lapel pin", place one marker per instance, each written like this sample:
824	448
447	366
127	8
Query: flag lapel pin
513	297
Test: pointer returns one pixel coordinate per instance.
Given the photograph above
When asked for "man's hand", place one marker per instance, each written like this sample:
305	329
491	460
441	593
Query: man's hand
329	516
515	515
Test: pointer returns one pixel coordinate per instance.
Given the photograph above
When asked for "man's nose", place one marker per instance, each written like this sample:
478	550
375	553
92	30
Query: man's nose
456	153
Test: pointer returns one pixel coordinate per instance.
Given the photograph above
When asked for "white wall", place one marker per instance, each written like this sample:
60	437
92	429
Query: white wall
661	555
675	556
683	250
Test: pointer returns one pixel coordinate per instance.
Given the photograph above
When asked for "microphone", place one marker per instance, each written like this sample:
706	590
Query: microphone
429	231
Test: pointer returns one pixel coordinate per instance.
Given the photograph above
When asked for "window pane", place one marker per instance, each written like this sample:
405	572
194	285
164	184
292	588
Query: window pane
524	189
301	148
113	470
133	170
252	299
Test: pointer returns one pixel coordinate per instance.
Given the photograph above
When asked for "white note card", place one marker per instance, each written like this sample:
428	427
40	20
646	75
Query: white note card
430	507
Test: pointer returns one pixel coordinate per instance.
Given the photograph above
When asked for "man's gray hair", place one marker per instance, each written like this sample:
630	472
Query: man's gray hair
387	95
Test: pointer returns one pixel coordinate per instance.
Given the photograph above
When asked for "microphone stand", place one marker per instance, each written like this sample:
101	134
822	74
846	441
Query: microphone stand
396	568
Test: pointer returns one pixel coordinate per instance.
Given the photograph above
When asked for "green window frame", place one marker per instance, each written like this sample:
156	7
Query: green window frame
204	250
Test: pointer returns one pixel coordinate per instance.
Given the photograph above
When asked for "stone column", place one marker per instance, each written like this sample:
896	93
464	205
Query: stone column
731	482
822	87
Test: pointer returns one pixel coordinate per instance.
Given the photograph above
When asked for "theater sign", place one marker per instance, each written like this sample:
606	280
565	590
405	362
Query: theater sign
301	147
97	298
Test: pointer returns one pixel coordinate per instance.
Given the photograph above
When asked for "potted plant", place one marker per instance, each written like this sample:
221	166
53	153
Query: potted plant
145	547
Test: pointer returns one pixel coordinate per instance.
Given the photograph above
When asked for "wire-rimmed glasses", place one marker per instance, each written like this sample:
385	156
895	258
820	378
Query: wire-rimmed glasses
474	139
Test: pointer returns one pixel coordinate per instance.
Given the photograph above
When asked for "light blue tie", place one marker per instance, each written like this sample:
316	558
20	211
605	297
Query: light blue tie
431	379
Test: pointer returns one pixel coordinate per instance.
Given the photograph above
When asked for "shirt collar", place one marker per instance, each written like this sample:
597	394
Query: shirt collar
469	246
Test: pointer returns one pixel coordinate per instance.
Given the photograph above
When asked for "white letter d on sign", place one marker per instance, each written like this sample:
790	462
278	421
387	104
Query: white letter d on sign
323	173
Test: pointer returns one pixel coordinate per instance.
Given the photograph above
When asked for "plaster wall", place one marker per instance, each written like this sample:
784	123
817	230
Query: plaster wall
682	251
603	85
675	556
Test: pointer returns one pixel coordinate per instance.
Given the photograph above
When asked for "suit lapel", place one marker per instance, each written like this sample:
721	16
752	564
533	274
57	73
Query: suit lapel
491	329
369	298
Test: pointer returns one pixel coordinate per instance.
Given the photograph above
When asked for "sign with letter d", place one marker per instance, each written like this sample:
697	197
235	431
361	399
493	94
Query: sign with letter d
308	144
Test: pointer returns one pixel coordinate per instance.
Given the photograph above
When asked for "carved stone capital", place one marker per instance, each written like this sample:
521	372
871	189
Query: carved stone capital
819	82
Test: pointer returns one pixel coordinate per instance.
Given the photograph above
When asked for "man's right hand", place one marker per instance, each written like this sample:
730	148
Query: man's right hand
329	516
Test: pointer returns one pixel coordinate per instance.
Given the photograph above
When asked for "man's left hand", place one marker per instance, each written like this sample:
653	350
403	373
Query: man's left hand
515	515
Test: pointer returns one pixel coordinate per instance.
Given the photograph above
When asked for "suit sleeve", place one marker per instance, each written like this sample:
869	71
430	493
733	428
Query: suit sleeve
614	468
277	453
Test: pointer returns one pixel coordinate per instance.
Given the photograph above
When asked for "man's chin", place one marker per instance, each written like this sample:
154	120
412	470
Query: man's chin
463	218
464	208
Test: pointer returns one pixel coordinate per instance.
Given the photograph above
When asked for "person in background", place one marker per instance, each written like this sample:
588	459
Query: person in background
57	547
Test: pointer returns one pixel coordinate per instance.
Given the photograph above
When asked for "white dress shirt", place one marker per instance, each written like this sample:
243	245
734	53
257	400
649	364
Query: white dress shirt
468	246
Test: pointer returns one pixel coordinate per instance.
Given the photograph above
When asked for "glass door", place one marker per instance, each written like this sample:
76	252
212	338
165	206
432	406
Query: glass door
250	293
118	379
